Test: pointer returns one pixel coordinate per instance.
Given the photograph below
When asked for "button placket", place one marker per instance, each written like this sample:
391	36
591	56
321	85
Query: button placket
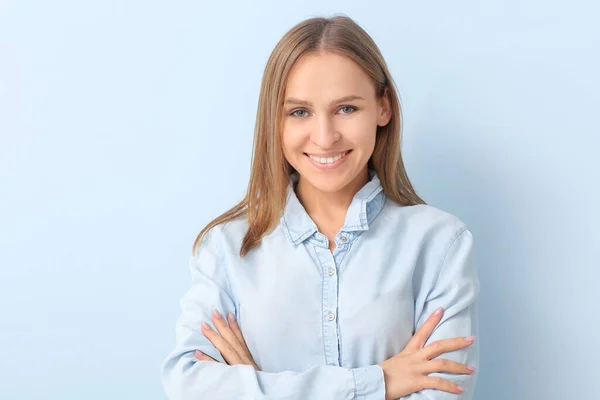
330	304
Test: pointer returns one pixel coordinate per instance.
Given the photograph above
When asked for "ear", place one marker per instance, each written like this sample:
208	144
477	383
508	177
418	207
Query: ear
385	109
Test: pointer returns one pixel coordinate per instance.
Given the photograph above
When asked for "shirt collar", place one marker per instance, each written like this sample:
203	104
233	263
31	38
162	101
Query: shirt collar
365	206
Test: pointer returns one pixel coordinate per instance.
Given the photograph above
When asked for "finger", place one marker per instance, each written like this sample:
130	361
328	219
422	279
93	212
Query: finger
431	382
449	366
445	346
228	352
227	334
235	328
422	334
203	357
238	332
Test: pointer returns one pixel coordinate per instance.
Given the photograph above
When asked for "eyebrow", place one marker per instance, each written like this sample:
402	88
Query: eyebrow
292	100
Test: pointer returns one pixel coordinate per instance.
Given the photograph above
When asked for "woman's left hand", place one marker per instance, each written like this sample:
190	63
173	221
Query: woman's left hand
229	341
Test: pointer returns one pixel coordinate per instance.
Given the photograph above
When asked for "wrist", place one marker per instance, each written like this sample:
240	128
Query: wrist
369	382
386	380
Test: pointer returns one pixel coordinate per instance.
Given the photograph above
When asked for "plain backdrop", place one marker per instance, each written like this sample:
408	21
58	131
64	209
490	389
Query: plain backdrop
125	126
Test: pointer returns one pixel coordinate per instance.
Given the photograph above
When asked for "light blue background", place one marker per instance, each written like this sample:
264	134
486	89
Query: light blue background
125	126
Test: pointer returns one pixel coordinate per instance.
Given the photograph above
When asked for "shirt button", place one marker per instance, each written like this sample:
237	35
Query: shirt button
343	238
331	317
331	271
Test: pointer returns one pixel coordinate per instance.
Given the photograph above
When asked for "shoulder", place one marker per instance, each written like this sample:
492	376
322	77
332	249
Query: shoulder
228	236
430	227
422	217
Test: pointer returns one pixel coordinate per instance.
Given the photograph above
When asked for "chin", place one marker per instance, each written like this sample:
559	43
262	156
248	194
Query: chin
329	187
327	182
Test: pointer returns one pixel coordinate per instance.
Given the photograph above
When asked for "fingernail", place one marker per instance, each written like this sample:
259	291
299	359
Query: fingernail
471	368
231	317
206	326
460	388
470	338
438	311
199	353
218	314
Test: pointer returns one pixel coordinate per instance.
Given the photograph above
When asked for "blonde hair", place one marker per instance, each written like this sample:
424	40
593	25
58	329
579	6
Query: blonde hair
266	195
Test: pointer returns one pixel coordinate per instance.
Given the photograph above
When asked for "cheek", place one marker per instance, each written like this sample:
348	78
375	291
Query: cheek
293	137
361	132
290	146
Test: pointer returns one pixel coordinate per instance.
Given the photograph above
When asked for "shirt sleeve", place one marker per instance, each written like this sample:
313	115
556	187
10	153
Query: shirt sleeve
456	290
186	378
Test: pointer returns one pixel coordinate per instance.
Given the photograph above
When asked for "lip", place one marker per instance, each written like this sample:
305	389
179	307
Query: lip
326	167
330	154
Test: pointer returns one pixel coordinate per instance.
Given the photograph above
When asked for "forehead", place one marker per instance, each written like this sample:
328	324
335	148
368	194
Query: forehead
327	75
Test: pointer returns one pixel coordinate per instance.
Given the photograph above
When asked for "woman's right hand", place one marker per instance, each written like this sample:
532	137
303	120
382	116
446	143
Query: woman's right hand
407	372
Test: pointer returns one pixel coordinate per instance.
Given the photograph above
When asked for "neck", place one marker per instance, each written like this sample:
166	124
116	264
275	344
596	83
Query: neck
329	207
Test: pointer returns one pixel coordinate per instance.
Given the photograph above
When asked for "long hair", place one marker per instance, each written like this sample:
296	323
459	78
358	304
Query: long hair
266	195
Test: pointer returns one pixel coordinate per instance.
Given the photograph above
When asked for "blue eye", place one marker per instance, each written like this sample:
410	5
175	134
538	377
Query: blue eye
294	113
352	108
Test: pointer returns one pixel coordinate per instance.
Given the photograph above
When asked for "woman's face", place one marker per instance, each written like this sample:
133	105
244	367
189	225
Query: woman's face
330	119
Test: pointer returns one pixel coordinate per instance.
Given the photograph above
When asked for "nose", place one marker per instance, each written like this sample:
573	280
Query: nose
324	133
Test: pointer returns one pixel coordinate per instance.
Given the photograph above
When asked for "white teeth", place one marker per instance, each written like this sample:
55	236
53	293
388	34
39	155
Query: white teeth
328	160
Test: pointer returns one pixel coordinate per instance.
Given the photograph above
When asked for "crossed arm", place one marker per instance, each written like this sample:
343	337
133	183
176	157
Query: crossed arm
224	367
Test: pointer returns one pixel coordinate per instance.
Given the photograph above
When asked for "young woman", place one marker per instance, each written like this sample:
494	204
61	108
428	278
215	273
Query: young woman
332	279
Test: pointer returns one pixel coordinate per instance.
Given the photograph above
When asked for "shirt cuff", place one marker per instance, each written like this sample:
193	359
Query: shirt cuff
369	383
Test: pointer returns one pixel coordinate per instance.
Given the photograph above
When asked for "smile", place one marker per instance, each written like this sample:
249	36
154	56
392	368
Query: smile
329	159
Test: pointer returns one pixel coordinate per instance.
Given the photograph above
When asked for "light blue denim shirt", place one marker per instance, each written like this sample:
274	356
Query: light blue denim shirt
318	323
